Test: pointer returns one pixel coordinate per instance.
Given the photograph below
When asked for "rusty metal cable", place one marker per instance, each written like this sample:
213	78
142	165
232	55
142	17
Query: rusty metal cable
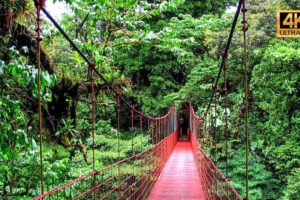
141	129
148	130
246	91
226	111
209	133
216	129
92	79
237	13
118	123
39	5
132	133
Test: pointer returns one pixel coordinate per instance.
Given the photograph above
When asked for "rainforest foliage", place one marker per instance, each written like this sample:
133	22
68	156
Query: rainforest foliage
154	53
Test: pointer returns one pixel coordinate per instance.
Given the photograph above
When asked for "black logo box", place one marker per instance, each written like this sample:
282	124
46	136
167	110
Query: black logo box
283	15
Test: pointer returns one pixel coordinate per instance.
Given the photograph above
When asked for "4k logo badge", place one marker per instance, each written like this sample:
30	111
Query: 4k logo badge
288	23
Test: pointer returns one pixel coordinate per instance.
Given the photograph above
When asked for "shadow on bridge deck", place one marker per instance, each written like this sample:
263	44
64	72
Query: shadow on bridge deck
179	178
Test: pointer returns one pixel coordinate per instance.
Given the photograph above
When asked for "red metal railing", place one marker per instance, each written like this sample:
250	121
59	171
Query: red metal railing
134	177
130	178
214	183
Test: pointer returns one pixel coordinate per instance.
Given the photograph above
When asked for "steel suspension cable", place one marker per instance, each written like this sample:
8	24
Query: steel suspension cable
211	118
162	128
216	134
212	124
226	112
141	129
216	129
76	48
156	131
204	133
118	127
209	133
225	52
159	130
92	79
132	133
148	130
245	61
39	5
152	131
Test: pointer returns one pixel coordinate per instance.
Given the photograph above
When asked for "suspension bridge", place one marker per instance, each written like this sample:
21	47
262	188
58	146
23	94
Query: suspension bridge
175	164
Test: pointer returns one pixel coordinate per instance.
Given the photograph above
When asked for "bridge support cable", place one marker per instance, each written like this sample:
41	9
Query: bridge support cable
216	124
92	80
226	106
141	129
118	109
246	88
148	132
210	133
225	52
39	5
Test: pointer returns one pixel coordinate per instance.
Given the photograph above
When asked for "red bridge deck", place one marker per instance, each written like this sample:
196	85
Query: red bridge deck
179	178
